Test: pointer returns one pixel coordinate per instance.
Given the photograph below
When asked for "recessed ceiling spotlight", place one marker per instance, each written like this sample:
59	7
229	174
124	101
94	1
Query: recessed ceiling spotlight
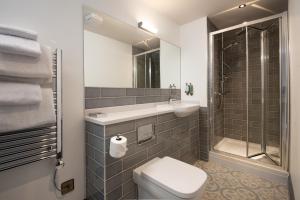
242	5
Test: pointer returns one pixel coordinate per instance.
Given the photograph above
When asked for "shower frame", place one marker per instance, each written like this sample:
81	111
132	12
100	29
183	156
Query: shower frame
284	83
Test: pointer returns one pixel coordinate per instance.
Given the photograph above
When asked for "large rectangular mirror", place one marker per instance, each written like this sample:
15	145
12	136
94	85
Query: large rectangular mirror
118	55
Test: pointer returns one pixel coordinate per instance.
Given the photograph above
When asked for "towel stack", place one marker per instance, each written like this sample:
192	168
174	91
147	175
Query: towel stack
19	41
26	100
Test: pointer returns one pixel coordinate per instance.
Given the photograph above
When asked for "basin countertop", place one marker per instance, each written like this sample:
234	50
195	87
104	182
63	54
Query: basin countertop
113	115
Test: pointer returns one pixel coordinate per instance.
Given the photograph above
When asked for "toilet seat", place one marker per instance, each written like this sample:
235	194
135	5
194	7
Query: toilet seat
178	178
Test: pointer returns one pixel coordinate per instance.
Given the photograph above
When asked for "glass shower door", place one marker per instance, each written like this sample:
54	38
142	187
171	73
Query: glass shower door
229	90
263	139
140	71
147	70
153	70
255	93
272	127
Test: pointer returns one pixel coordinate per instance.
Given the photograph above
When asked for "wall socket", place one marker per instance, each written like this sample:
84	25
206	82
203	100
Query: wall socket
67	186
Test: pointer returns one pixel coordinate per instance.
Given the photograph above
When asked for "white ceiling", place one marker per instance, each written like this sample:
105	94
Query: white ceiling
184	11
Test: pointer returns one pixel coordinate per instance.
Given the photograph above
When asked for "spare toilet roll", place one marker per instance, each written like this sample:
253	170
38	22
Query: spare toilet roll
118	146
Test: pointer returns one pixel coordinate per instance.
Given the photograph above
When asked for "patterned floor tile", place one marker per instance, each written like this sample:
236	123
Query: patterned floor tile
227	184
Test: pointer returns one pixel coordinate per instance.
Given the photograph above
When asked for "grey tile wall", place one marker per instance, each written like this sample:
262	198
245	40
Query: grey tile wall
111	178
272	127
219	100
204	143
255	90
95	161
96	97
235	102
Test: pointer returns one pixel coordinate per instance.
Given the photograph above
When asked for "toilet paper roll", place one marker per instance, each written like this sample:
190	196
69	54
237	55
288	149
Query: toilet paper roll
118	146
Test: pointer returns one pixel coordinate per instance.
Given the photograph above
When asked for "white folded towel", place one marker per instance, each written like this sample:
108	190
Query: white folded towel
19	32
14	118
20	46
17	66
17	94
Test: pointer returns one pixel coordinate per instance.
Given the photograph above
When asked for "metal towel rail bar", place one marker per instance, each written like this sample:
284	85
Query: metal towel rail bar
22	147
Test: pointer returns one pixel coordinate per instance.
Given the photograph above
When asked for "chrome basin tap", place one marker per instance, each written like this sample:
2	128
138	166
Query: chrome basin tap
172	97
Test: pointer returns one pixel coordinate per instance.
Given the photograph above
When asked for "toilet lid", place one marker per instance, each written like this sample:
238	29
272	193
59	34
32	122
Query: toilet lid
179	178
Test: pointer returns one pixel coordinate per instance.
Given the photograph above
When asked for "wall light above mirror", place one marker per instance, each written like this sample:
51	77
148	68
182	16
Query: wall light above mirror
147	27
119	55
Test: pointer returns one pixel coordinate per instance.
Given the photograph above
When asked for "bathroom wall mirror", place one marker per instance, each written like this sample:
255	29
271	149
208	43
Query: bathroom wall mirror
119	55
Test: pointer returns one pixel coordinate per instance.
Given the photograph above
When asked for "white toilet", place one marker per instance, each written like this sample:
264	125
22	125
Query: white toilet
168	178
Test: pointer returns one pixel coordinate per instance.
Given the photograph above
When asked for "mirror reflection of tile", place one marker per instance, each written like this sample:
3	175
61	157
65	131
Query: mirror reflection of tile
96	97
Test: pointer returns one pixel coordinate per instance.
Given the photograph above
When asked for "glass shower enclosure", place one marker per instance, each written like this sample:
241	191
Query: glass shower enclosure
147	69
248	91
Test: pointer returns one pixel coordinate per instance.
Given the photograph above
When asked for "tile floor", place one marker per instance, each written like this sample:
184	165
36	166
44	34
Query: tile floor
227	184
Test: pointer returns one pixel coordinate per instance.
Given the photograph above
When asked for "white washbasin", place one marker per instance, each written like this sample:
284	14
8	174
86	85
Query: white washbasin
180	109
185	109
118	114
164	107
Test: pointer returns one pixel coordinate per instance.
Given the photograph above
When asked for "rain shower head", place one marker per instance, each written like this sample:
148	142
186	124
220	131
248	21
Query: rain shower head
231	45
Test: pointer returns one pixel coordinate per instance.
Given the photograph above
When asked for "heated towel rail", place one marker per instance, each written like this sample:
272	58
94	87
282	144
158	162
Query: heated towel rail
23	147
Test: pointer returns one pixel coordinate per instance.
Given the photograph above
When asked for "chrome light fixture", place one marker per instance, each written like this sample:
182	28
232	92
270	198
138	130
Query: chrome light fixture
147	27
